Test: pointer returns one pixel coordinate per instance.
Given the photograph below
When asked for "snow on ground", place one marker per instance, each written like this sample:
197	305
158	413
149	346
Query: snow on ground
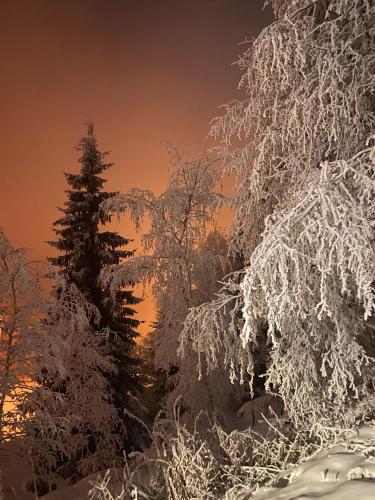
80	490
77	491
345	471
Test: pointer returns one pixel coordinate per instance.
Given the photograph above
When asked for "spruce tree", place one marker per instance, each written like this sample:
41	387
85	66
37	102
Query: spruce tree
85	251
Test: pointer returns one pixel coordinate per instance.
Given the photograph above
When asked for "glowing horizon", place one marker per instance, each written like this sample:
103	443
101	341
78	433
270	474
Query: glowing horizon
145	72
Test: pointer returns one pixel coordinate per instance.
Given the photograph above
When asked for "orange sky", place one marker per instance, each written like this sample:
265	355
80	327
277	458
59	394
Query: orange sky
145	70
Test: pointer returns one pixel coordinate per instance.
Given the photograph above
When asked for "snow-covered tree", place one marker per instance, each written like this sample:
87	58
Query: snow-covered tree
309	98
71	427
180	219
85	251
19	300
302	145
183	260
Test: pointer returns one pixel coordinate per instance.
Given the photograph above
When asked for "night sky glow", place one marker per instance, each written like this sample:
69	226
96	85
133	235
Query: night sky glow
145	70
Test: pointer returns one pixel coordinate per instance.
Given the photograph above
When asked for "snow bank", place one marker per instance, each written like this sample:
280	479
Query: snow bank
345	471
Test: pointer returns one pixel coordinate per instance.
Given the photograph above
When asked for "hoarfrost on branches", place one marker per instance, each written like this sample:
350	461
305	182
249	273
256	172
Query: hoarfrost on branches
20	298
312	277
173	262
309	80
183	464
183	259
302	146
70	423
213	331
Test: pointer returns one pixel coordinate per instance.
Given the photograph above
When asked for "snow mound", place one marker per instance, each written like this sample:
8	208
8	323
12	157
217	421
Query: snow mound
345	471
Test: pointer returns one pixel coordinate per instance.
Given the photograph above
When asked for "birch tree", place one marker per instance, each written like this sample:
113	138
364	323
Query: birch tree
182	260
179	221
19	302
302	144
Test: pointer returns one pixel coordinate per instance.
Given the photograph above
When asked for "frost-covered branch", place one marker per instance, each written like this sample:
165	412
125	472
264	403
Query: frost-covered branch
71	427
309	83
173	261
312	280
213	330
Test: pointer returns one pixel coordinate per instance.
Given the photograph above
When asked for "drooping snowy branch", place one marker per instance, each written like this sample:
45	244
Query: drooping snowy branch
213	330
309	85
312	279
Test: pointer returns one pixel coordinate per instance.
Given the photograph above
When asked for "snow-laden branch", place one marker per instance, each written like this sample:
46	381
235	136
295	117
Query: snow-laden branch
213	330
309	98
312	280
70	401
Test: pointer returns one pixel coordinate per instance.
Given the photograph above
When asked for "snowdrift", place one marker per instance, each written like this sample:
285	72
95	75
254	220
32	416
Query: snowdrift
346	471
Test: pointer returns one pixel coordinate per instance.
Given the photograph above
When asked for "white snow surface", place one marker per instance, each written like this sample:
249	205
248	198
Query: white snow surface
80	490
345	471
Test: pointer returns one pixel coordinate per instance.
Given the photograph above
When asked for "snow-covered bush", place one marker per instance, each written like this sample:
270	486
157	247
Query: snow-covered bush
184	465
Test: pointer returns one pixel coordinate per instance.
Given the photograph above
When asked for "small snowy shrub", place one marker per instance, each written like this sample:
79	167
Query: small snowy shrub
20	297
185	465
